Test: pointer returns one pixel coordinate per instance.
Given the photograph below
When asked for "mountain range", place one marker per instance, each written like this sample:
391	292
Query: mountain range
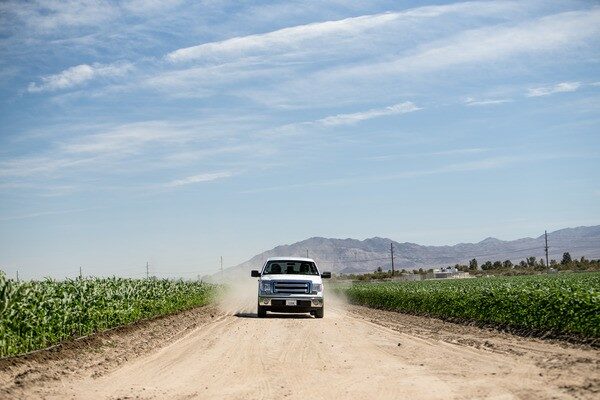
360	256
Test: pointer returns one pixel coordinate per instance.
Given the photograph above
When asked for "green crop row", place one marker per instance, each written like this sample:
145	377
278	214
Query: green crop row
38	314
559	304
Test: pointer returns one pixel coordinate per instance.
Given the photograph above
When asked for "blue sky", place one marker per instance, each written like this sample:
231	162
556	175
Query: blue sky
175	132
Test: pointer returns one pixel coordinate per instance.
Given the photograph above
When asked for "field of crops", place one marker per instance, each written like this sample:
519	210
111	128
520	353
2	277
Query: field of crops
559	304
37	314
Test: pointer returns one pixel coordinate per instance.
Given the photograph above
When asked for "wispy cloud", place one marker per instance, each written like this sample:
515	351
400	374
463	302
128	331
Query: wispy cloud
46	16
130	137
45	213
206	177
78	75
459	167
562	87
296	128
346	119
452	152
141	146
469	166
490	43
36	165
476	150
470	101
325	33
281	38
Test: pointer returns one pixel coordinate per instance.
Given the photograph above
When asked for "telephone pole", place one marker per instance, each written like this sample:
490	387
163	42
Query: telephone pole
392	255
306	253
17	275
147	270
80	274
546	248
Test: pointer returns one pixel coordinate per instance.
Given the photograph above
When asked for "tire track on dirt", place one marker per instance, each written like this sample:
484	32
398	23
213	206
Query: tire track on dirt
351	353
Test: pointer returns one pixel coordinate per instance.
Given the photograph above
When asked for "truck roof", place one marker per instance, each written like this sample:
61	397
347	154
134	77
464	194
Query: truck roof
290	259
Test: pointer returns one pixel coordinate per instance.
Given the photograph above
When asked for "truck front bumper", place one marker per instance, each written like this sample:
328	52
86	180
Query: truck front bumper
290	304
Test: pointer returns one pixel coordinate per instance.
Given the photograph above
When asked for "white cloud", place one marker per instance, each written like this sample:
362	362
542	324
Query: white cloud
558	88
45	213
489	44
483	164
36	165
470	101
457	152
407	63
48	16
281	38
478	165
78	75
326	33
206	177
134	148
346	119
130	137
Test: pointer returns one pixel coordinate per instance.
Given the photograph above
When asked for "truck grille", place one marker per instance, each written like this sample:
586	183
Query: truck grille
299	303
291	287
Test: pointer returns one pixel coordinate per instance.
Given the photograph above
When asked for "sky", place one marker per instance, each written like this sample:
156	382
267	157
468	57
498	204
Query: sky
176	132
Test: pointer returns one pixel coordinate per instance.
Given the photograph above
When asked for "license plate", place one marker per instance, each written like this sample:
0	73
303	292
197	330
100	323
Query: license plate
290	302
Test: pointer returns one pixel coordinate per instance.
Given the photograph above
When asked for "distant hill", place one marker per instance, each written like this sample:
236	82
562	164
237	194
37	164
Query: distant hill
360	256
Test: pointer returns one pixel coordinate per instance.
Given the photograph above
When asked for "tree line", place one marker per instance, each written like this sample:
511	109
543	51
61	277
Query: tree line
529	265
567	263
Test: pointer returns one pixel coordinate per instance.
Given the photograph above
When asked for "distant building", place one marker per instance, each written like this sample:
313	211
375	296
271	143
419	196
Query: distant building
445	272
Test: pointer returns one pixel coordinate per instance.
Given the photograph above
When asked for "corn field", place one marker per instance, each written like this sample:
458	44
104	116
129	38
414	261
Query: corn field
560	304
38	314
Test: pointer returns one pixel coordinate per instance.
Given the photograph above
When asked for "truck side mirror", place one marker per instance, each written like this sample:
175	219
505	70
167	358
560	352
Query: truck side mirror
255	274
326	275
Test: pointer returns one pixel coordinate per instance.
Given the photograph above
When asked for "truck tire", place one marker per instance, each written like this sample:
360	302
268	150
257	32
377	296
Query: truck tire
262	312
319	312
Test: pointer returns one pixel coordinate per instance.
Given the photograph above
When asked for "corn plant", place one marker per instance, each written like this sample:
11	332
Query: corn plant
38	314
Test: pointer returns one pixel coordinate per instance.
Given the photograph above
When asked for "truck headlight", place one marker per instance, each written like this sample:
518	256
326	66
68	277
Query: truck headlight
317	287
265	287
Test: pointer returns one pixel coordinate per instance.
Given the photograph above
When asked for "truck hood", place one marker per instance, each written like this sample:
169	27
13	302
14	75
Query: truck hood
285	277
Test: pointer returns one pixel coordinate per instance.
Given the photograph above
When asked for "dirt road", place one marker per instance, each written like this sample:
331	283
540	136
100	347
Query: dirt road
352	353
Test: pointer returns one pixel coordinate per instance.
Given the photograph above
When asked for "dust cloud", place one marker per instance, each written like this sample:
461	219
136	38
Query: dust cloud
239	296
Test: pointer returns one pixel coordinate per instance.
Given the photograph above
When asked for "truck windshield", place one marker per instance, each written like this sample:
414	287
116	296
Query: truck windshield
290	268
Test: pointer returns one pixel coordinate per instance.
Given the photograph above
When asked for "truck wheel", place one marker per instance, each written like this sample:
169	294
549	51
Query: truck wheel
262	312
319	312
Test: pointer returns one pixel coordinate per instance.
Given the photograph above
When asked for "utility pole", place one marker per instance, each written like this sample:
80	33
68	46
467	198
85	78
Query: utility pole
392	255
80	274
306	253
546	248
221	268
17	275
147	270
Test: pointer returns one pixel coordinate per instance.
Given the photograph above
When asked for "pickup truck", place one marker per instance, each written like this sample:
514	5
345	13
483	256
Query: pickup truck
290	285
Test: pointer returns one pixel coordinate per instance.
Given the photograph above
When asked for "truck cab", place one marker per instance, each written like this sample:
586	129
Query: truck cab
290	285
